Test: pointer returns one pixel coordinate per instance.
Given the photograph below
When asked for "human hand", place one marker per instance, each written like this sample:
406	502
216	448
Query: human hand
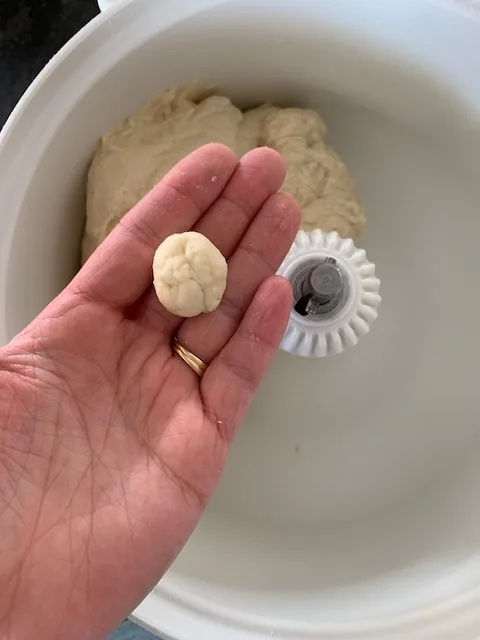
110	445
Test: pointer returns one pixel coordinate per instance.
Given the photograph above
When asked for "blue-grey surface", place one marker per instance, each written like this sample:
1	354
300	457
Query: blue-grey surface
31	32
130	631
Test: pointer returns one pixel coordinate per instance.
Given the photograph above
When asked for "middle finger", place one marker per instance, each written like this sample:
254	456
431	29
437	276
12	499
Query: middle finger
259	174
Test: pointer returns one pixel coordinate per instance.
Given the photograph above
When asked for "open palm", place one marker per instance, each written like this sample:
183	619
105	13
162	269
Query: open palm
110	445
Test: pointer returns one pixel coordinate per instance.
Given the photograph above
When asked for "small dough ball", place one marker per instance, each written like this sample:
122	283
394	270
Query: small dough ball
189	274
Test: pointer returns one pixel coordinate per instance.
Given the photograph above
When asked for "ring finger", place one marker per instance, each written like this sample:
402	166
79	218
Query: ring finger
257	257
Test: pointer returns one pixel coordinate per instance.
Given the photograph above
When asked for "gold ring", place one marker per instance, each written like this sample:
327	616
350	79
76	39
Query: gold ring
193	361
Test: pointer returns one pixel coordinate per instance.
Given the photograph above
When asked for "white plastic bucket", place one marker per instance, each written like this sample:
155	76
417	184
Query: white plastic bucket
358	518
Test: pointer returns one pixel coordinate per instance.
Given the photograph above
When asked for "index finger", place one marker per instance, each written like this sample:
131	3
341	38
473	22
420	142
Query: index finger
120	270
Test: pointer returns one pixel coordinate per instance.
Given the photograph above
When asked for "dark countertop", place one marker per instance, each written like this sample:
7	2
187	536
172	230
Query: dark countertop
31	32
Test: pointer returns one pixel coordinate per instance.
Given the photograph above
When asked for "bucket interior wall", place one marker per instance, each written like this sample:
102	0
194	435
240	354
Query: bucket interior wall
351	491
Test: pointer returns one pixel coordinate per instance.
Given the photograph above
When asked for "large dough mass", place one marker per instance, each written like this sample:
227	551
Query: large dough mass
133	157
